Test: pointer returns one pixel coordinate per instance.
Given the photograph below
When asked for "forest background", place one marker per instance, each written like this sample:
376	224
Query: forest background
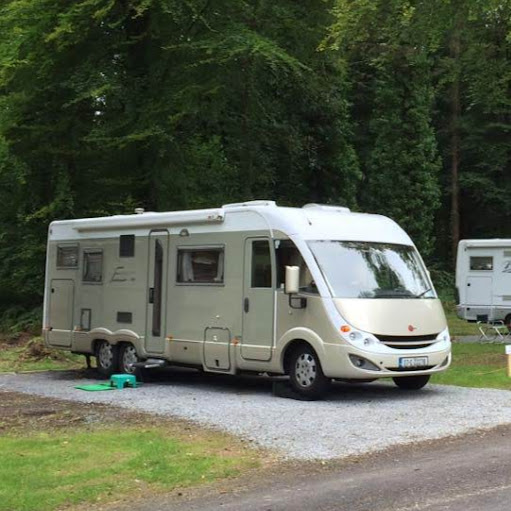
398	107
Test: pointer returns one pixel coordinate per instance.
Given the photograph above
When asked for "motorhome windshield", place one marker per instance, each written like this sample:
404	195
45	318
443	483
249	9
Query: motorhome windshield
356	269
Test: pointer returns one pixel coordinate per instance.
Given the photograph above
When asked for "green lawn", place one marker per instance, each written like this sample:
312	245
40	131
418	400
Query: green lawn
477	365
46	471
458	327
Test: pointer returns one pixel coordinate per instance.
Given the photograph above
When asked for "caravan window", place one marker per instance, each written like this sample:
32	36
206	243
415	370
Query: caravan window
481	263
200	265
92	266
67	256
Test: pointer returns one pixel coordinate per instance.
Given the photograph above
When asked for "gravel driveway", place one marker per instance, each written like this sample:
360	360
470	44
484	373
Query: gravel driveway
353	419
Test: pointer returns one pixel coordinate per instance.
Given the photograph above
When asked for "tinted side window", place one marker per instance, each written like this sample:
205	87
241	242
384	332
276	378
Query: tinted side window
261	264
127	245
92	266
287	254
200	266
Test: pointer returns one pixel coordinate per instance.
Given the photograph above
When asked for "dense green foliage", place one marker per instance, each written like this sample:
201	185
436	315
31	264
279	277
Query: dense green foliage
399	107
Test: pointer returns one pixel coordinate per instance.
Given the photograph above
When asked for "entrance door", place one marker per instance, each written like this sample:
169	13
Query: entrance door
479	291
61	312
157	295
258	300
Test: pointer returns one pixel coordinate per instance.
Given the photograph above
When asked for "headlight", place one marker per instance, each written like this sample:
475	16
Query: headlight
360	338
444	336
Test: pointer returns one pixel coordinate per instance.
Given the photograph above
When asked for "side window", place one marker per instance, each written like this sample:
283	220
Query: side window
288	255
481	263
127	245
261	264
67	256
92	265
200	265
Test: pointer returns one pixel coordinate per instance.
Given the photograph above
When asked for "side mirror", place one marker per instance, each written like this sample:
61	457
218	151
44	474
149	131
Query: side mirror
292	284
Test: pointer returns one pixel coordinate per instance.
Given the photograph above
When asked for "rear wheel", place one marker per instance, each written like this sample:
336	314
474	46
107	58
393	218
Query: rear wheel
107	358
127	357
305	373
411	382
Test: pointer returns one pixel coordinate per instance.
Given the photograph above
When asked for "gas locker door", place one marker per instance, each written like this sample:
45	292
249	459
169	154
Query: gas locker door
479	290
258	300
157	291
61	312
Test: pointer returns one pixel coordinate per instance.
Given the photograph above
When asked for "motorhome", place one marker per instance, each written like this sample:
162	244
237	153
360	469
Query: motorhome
483	280
318	293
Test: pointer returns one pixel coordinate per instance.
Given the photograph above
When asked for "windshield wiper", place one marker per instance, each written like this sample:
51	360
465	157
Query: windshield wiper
420	295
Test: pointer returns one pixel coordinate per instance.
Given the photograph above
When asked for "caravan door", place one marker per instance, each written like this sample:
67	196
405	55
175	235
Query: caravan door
157	291
61	312
479	290
258	300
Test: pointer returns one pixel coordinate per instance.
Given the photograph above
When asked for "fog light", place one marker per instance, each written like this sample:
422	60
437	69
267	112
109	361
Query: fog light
363	363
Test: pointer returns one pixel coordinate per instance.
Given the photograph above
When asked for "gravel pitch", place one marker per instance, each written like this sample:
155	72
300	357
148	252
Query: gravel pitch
353	419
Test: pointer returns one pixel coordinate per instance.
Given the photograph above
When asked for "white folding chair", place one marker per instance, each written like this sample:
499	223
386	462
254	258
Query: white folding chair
492	330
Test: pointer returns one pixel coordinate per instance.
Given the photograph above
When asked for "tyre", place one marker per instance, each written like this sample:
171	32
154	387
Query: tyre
507	322
305	373
107	358
411	382
127	356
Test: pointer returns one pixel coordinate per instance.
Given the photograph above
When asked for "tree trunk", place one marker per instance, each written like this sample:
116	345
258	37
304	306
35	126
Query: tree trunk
455	50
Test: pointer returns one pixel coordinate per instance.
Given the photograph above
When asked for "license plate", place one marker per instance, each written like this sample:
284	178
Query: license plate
412	362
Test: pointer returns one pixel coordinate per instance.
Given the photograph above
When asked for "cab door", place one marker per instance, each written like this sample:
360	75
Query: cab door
258	300
157	291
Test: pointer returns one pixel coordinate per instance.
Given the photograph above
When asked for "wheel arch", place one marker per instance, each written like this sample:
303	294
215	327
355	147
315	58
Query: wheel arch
295	337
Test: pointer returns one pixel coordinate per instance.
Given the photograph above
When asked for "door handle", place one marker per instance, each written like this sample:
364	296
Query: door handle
468	284
246	304
151	295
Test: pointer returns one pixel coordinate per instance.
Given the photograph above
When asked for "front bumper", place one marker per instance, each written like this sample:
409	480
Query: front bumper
337	363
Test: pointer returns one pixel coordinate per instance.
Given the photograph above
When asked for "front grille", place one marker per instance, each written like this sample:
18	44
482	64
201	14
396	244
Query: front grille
408	346
412	342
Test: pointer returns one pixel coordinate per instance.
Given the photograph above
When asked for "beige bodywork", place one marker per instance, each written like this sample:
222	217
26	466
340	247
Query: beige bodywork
393	316
208	325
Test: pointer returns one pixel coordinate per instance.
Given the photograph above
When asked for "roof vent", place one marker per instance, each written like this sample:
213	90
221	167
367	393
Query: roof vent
251	203
326	207
139	211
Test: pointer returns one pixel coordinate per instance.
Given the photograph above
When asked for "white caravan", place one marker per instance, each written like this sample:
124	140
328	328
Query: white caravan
483	280
318	293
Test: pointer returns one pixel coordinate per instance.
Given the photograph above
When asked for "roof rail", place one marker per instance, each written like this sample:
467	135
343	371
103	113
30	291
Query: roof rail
204	216
251	203
327	207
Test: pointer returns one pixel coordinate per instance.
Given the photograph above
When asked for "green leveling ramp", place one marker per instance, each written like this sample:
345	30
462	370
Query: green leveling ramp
96	387
117	381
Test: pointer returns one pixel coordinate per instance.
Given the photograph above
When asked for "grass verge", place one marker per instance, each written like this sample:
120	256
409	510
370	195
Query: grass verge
60	454
47	471
476	365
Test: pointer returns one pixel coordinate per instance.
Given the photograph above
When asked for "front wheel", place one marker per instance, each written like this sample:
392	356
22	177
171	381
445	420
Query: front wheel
411	382
107	358
305	373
